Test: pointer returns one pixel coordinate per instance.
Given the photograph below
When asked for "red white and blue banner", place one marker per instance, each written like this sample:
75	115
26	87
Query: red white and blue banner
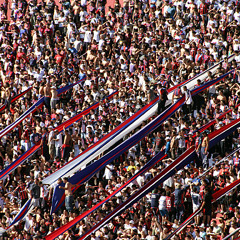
159	157
186	157
103	144
215	196
58	196
15	98
11	167
169	171
34	107
89	155
27	208
178	164
86	173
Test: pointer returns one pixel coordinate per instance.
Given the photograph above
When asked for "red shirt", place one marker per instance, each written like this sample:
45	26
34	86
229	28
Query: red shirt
203	8
59	59
20	55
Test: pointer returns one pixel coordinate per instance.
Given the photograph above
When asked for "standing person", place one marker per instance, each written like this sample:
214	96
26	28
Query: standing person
35	193
44	144
51	143
54	97
58	142
173	145
66	147
47	97
162	205
188	100
154	201
162	93
21	189
68	194
178	204
196	202
207	206
204	149
177	94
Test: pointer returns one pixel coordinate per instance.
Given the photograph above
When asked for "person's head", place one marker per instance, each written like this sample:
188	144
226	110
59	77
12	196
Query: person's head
65	179
213	223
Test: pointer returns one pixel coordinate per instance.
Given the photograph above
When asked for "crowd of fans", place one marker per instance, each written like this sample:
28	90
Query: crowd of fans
140	49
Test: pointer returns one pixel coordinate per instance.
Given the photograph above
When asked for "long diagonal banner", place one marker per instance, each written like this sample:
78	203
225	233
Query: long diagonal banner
15	98
81	160
27	208
102	145
55	201
36	147
201	76
215	196
160	156
189	155
232	234
85	174
178	164
34	107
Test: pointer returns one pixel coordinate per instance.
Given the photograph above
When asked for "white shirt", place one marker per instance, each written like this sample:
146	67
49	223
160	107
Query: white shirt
188	97
162	203
88	36
108	172
58	142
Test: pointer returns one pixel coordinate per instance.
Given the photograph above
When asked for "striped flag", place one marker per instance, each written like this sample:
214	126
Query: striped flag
25	210
85	174
215	196
102	145
145	168
169	171
34	107
178	164
36	147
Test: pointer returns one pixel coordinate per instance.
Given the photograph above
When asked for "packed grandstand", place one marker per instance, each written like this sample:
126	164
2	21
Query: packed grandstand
120	122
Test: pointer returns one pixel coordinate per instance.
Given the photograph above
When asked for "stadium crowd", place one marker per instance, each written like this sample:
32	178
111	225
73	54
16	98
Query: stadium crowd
140	49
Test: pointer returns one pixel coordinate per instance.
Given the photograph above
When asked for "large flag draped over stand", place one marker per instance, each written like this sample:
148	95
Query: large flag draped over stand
145	168
80	161
97	148
169	171
178	164
34	107
15	98
184	159
85	174
36	147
